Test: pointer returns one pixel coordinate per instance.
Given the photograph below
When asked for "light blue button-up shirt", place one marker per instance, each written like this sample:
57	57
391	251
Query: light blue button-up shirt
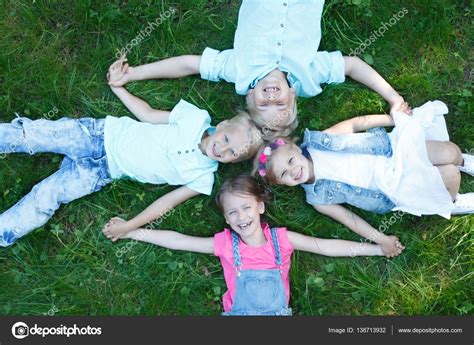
162	153
283	34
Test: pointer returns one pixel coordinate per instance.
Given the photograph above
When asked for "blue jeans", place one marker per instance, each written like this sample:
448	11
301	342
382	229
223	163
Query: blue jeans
83	171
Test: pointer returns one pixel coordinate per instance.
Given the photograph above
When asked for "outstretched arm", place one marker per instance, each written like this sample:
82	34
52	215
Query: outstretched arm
155	211
390	244
141	109
360	71
169	239
171	68
360	124
138	107
332	247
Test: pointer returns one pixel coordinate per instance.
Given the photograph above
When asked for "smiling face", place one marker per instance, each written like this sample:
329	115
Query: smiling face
290	167
242	213
232	141
274	101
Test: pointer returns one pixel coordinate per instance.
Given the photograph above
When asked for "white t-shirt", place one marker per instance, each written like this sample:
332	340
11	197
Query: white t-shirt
161	153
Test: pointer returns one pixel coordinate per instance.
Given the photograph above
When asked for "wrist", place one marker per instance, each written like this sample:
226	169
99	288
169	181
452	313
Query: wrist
116	89
395	98
382	239
378	250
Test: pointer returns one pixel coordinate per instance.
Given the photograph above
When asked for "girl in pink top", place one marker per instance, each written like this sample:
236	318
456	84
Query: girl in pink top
255	257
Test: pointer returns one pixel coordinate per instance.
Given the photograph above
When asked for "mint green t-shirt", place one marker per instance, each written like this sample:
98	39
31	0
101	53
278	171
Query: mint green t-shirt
161	153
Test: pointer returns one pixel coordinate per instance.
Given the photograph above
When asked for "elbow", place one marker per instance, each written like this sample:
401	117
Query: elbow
350	63
192	64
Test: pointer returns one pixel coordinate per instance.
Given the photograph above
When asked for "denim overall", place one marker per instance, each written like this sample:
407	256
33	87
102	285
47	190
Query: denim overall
259	292
84	169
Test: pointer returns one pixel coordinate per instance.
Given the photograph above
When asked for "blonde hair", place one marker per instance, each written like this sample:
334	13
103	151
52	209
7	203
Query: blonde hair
267	132
254	135
270	177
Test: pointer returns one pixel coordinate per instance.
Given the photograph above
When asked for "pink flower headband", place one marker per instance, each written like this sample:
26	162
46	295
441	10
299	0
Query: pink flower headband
262	159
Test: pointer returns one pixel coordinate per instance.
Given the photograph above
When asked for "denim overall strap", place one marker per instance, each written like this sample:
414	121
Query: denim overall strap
276	246
236	252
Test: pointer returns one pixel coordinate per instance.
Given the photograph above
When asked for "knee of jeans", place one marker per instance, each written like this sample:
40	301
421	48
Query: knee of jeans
44	202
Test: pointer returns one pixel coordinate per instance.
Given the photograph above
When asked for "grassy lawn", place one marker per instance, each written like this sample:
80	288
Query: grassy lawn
53	59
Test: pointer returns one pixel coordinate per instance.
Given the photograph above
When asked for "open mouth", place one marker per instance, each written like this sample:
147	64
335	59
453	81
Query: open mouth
214	151
271	89
244	226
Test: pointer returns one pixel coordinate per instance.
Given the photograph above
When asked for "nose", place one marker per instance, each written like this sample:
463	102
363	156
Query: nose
224	148
271	97
241	215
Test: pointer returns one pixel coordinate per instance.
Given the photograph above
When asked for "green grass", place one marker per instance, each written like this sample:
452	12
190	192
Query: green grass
56	54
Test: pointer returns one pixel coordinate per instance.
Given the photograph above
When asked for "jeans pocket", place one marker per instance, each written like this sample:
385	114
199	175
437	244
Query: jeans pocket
261	293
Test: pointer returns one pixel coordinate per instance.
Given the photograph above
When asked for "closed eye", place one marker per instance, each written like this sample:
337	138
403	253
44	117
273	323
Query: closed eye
283	174
226	138
290	160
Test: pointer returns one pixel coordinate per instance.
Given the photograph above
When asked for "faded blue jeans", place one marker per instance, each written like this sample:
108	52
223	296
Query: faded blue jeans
83	171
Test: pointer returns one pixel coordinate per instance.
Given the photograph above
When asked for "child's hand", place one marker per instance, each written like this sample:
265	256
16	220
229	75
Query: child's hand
392	247
115	229
119	73
400	106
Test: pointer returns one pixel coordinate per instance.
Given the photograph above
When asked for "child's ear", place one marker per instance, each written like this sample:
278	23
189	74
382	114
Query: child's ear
261	207
222	123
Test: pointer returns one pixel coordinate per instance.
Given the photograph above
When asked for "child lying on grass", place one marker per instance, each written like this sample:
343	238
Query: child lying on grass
178	148
275	58
255	257
413	169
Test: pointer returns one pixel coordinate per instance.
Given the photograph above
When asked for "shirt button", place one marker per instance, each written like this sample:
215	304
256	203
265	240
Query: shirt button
285	4
282	25
326	140
279	43
193	150
376	195
338	185
357	190
179	152
278	61
187	151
